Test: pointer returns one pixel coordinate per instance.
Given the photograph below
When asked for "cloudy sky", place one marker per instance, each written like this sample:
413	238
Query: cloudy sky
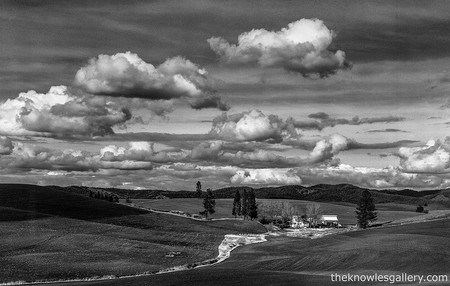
161	94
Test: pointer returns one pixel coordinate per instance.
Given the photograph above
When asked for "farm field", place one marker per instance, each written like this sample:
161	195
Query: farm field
422	248
98	238
345	212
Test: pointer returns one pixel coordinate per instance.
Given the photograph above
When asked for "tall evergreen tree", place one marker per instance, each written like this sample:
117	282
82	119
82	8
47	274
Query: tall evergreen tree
365	212
236	204
199	189
252	206
245	206
209	203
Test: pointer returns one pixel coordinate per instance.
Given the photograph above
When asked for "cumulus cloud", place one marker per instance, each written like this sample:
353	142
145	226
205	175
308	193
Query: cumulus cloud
388	177
59	113
207	151
266	177
28	157
220	153
326	148
432	158
127	75
6	145
138	151
252	125
302	47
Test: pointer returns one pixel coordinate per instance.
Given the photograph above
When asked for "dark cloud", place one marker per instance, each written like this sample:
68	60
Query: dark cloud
212	101
6	145
387	130
324	120
319	115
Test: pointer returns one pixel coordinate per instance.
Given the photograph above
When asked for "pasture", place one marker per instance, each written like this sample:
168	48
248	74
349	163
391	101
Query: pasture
345	211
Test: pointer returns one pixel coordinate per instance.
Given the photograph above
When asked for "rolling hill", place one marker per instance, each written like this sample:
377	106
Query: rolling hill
50	234
30	201
419	249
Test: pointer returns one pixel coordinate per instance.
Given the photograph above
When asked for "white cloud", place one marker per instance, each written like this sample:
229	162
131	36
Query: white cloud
326	148
248	126
59	113
127	75
138	151
266	177
432	158
300	47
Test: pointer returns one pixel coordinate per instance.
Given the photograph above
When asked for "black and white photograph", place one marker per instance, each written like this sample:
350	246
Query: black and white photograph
224	142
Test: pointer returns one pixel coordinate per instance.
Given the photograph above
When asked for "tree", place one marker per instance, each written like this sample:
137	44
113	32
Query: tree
252	206
209	203
312	211
365	212
236	204
245	206
199	189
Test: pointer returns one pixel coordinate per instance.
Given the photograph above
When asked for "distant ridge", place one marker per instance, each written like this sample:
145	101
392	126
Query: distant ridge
321	193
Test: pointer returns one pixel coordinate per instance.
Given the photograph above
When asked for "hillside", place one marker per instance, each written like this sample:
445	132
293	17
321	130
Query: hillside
49	234
421	249
30	201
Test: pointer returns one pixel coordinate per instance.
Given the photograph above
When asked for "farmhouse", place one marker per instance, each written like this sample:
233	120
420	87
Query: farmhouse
329	220
297	222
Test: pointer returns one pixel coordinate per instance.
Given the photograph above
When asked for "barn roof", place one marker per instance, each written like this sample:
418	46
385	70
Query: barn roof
329	217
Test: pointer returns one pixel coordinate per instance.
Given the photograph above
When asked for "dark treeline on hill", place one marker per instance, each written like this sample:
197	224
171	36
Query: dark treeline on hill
320	193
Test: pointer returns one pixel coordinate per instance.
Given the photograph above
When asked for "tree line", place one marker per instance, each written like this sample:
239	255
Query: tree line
245	205
104	196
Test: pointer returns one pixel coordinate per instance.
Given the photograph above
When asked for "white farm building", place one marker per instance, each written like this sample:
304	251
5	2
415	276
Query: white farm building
329	220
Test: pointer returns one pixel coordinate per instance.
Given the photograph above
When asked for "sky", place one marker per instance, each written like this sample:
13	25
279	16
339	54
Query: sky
162	94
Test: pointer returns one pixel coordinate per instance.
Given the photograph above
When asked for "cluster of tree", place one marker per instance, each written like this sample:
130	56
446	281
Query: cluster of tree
421	208
104	196
245	205
365	212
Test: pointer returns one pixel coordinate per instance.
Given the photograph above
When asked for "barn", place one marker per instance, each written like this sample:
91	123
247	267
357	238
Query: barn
329	220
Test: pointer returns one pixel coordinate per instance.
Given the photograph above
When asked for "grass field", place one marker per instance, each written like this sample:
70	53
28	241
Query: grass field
81	237
345	211
422	248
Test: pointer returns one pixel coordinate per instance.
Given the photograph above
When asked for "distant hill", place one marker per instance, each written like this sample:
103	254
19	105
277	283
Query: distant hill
320	193
30	201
